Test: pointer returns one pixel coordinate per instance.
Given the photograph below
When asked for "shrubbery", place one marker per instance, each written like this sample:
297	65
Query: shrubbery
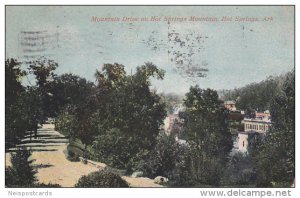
239	171
160	161
21	173
101	179
114	148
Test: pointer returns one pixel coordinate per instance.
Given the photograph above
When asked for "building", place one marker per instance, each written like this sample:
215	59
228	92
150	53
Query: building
243	140
230	105
172	123
254	127
261	123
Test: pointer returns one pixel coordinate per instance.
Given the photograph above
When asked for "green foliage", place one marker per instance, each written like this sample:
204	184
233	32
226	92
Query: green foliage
43	70
256	96
101	179
76	149
275	155
13	76
65	122
239	171
114	148
183	174
102	119
160	161
206	129
68	90
26	107
21	173
15	123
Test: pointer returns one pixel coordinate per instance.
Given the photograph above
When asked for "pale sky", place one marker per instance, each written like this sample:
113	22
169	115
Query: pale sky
235	53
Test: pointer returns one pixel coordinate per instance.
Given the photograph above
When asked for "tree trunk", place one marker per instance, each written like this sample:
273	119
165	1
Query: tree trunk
35	130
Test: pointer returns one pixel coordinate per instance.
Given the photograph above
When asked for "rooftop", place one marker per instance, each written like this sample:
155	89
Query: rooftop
229	102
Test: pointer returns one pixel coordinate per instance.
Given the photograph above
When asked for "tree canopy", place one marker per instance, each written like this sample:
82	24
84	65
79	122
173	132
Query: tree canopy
206	129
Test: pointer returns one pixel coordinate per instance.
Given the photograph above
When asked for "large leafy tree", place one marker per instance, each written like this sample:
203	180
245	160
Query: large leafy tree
205	127
128	103
43	70
122	103
68	89
15	122
275	155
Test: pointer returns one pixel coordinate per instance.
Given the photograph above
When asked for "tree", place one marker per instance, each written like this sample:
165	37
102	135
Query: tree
13	76
15	122
114	148
44	74
161	160
275	155
68	90
22	173
206	130
255	96
121	103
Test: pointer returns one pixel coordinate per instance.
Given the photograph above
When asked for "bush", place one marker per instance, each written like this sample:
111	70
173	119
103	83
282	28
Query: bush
76	149
21	173
10	177
114	148
160	161
71	155
101	179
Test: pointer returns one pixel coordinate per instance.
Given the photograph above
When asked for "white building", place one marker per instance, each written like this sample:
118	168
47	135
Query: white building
253	126
243	140
257	125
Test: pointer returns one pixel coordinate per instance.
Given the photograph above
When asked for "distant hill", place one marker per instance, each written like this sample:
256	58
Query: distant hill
256	96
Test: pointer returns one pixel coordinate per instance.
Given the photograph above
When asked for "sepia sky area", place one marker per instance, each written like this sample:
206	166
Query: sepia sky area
248	45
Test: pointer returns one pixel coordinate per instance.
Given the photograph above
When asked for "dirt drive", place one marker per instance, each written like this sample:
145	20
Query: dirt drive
53	167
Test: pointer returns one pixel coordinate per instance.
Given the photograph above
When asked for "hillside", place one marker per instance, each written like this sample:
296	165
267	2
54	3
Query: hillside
256	96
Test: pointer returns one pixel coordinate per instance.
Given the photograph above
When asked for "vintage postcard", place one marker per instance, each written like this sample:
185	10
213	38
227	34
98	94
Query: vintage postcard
150	96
